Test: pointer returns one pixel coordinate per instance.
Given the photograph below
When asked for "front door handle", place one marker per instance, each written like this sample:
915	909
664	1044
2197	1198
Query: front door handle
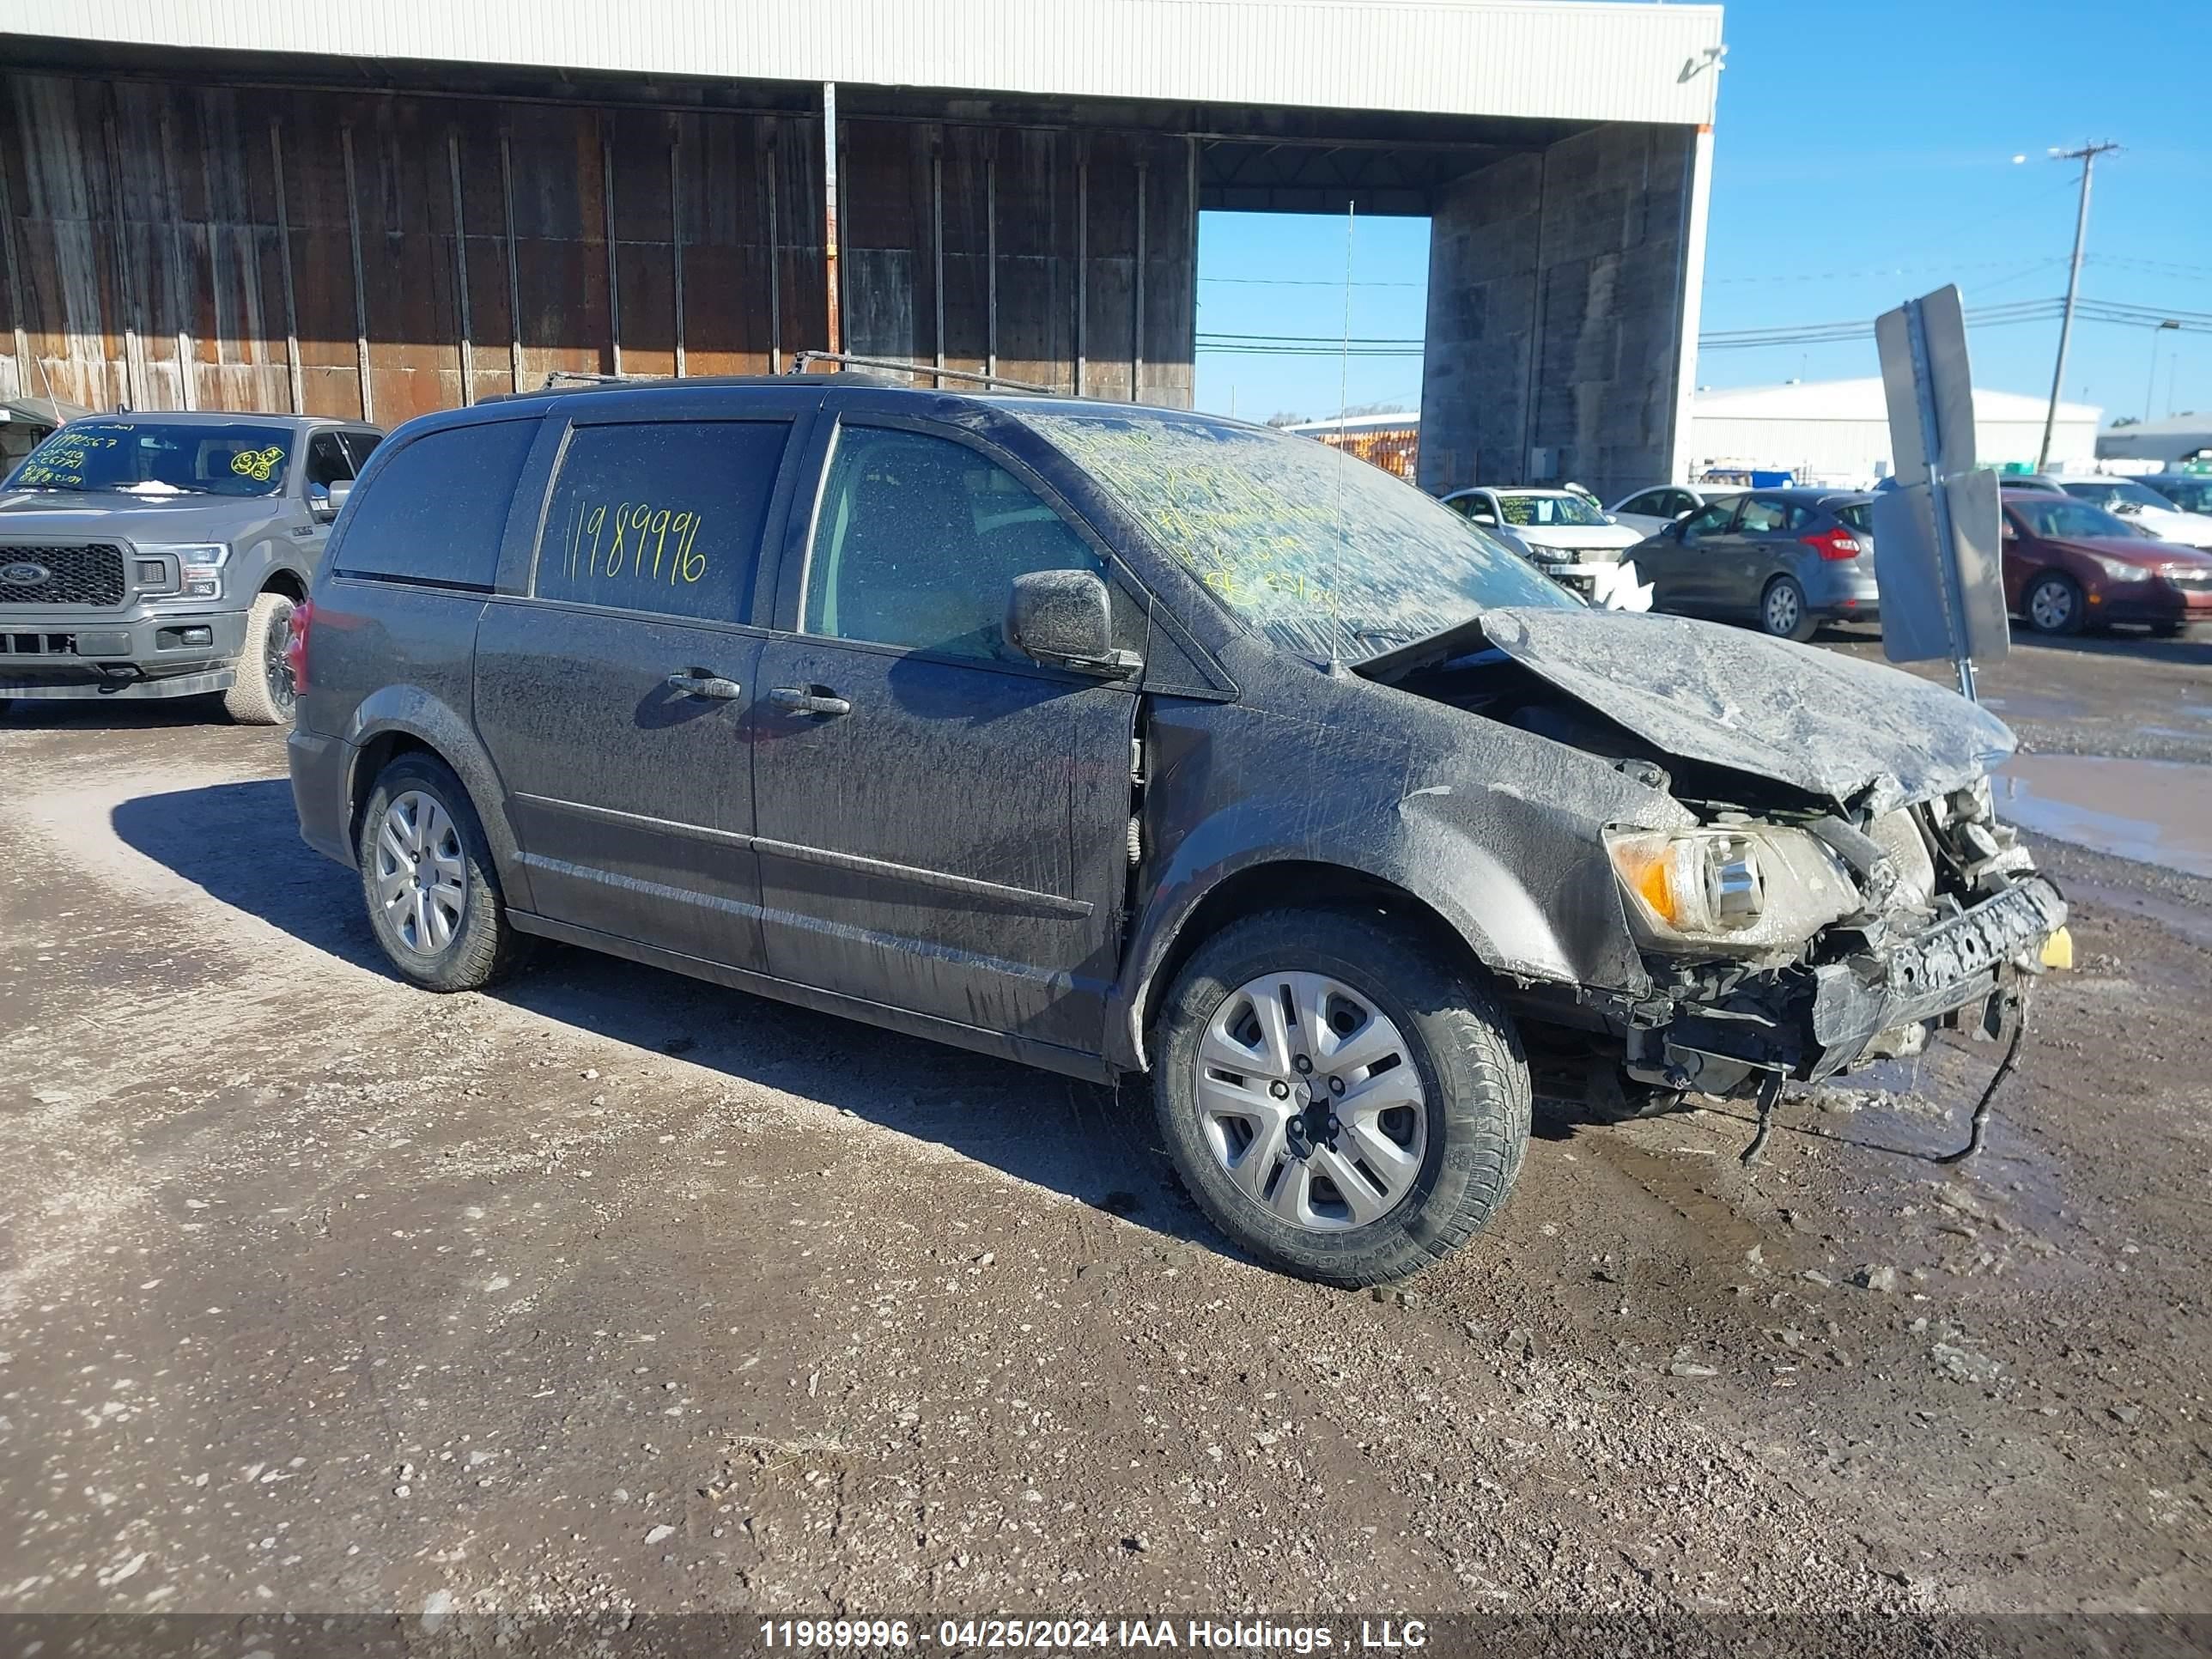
809	699
703	683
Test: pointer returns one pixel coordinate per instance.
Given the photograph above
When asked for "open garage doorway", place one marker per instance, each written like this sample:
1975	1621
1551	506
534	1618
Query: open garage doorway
1275	312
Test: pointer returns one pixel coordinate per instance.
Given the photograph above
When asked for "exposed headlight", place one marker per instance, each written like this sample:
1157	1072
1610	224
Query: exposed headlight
1736	889
199	566
2120	570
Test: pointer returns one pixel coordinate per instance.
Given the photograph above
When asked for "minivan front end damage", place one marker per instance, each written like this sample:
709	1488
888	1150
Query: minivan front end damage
1843	888
1931	917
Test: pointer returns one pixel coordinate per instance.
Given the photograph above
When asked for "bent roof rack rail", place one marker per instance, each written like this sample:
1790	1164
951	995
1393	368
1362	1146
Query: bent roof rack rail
851	369
966	375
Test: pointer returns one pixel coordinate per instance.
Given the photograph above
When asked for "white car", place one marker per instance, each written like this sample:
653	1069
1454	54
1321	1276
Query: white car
2143	508
1647	511
1566	534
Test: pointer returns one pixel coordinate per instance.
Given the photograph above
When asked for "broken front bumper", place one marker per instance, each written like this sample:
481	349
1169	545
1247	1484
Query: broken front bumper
1810	1022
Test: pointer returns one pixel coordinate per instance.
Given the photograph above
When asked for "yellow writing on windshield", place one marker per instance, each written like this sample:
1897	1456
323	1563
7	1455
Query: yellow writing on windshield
634	539
257	464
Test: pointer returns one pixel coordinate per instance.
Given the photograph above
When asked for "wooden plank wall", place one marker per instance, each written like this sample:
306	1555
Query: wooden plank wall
338	251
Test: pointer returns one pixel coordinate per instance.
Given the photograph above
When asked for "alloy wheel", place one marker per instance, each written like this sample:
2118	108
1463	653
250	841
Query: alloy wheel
1309	1096
1781	609
276	665
421	877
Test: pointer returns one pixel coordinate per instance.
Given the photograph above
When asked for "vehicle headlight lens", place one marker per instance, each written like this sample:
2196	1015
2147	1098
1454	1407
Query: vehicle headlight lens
2120	570
199	566
1736	889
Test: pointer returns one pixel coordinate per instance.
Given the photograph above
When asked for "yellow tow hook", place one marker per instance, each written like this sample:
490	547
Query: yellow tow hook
2058	951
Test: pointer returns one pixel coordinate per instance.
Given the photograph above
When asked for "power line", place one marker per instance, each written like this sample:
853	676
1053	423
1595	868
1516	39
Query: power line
1304	282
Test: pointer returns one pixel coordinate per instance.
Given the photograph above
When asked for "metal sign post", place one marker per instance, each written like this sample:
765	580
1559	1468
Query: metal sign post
1937	536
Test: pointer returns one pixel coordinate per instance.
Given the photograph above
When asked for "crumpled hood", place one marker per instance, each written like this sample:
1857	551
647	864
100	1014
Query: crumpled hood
27	514
1828	724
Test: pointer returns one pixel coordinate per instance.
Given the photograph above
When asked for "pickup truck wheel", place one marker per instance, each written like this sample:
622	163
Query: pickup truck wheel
1783	613
1342	1101
428	879
263	693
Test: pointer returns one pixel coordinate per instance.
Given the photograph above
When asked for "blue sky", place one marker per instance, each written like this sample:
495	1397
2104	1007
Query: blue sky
1850	170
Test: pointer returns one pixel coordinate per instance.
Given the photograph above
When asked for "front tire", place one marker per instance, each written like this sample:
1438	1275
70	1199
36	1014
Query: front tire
1783	613
428	880
1345	1104
2052	603
263	693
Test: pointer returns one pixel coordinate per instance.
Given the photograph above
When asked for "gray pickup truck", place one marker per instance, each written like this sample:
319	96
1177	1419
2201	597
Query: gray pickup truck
160	555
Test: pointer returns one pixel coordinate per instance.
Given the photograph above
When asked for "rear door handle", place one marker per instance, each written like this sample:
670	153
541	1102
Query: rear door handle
809	699
703	683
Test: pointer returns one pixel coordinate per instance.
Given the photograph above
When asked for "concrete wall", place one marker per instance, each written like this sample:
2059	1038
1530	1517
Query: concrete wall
1556	288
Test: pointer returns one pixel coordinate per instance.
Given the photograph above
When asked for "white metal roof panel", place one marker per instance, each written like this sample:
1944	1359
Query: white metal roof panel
1556	59
1861	400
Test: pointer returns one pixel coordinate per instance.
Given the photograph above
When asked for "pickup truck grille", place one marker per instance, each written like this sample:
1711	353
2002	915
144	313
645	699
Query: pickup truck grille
88	575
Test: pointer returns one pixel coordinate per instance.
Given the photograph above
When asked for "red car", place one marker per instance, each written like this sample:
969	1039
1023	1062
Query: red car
2069	565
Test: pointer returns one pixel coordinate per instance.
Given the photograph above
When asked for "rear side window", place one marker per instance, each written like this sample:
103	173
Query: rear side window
1762	515
661	516
1857	514
436	510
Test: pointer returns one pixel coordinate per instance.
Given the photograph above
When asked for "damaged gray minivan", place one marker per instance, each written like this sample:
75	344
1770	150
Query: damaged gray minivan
1120	740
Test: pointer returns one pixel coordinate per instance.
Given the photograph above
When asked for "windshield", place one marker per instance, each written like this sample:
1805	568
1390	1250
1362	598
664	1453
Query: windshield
1321	551
158	458
2058	520
2112	495
1521	510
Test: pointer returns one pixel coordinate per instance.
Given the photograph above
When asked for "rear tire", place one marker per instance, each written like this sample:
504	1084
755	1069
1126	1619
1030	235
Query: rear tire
263	693
1783	613
429	883
2052	604
1421	1175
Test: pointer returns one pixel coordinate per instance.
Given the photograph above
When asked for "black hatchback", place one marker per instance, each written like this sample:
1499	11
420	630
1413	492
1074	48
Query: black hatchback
1122	740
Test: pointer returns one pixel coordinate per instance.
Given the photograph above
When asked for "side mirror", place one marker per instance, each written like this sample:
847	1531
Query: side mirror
324	501
1683	514
1490	520
1063	619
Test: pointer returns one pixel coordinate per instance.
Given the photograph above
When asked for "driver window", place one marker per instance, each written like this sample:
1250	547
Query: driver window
918	541
327	462
1708	520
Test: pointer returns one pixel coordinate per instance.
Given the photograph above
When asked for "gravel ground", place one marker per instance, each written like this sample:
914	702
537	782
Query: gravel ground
615	1291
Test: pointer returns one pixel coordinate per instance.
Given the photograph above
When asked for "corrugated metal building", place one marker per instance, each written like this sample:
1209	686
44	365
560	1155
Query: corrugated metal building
381	210
1841	427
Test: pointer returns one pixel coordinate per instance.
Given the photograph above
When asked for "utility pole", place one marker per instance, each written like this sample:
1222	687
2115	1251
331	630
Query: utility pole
2087	155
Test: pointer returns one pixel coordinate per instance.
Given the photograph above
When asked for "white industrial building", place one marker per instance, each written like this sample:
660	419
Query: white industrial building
1838	430
2169	442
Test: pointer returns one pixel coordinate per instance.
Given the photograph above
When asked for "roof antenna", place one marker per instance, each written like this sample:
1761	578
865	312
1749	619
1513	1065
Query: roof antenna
1343	402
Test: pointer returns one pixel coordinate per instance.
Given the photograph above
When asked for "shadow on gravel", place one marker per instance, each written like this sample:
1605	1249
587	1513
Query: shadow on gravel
239	842
118	714
2192	649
